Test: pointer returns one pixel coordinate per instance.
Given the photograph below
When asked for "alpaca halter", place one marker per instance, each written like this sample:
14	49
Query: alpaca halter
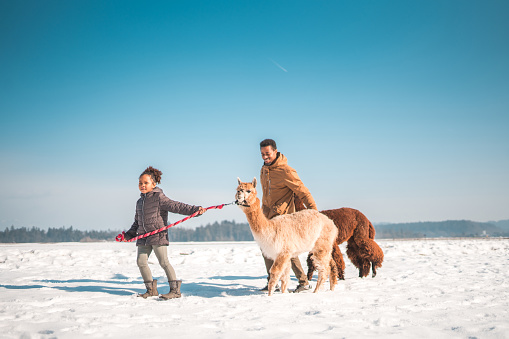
243	205
121	236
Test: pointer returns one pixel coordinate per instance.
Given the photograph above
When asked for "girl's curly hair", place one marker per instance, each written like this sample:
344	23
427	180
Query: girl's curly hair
154	173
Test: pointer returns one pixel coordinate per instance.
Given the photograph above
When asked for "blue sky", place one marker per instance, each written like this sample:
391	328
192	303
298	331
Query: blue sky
397	108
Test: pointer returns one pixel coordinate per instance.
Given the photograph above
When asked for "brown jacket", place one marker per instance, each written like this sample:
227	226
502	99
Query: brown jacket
152	214
279	183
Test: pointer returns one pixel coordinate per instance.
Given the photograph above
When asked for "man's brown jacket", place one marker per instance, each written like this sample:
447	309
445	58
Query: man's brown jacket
279	182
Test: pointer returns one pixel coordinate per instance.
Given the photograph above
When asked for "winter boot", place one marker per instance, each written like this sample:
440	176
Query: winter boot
302	287
151	290
266	288
174	290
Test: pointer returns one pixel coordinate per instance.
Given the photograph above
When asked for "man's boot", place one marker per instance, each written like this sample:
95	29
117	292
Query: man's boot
302	287
266	288
151	290
174	290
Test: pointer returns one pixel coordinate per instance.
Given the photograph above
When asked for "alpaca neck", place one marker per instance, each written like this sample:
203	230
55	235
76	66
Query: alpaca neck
257	221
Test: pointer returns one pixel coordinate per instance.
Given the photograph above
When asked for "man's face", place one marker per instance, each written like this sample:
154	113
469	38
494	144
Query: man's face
268	154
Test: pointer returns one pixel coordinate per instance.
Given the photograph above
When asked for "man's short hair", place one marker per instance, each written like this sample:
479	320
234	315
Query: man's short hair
268	142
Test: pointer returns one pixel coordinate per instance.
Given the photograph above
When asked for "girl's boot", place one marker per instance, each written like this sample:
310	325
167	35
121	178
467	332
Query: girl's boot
174	290
151	290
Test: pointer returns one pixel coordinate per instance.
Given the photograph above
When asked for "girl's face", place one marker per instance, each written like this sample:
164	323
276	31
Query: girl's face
146	184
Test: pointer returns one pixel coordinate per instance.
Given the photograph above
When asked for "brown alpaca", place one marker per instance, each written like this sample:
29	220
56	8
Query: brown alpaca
354	227
286	236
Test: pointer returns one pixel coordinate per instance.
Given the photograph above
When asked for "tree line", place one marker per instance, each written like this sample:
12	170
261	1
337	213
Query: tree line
224	231
62	234
232	231
449	228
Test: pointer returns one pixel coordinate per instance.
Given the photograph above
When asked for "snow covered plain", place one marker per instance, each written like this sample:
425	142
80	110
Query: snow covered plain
443	288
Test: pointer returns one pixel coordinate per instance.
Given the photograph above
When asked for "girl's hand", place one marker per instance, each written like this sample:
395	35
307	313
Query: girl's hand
201	210
120	237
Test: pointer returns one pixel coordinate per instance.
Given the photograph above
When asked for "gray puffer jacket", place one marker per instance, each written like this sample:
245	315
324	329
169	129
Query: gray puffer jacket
152	214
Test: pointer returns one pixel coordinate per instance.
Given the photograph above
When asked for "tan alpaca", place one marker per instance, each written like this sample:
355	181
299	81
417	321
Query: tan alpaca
286	236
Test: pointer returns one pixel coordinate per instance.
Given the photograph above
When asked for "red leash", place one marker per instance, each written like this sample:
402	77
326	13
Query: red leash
121	236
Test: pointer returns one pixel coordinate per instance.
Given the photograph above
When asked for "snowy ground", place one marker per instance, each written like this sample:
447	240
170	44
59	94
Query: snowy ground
447	288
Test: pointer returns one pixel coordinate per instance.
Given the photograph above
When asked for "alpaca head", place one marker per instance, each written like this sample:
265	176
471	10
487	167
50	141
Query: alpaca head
246	193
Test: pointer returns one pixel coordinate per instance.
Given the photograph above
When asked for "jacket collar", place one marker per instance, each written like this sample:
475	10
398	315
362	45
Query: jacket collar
280	160
155	190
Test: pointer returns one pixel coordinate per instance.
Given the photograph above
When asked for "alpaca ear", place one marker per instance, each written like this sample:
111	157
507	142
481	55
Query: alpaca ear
238	179
254	182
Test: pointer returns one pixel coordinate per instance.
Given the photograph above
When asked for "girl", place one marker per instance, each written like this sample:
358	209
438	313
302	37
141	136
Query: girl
151	214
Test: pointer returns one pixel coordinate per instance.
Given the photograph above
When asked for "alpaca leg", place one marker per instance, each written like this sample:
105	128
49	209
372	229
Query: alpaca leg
277	270
285	277
351	252
333	276
322	260
311	266
338	259
377	258
323	272
320	280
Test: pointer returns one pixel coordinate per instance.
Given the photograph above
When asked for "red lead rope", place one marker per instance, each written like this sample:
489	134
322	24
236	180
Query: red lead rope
120	237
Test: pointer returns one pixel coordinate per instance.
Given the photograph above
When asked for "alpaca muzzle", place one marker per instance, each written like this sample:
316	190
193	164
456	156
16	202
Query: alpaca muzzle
243	203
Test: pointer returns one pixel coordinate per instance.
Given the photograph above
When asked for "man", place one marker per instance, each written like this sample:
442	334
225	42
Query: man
279	184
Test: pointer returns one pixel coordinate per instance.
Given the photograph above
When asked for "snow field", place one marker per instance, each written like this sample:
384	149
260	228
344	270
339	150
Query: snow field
439	288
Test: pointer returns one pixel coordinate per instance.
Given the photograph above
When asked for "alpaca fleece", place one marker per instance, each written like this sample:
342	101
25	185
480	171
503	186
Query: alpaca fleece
286	236
358	231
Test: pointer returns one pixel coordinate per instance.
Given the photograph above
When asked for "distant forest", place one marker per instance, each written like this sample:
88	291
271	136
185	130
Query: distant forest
224	231
231	231
449	228
34	234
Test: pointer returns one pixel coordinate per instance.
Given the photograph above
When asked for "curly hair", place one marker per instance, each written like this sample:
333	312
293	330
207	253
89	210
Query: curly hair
154	173
268	142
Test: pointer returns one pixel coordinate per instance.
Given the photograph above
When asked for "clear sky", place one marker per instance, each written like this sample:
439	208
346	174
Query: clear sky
397	108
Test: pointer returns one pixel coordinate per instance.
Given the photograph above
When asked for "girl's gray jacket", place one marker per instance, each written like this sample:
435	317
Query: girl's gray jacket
152	214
